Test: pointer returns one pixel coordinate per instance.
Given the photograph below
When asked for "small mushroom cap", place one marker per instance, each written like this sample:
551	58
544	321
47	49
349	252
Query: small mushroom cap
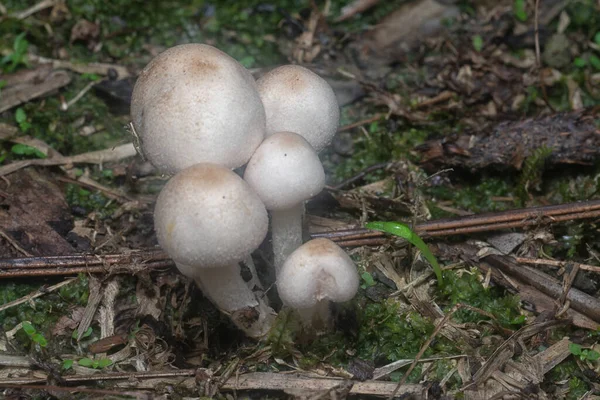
207	216
317	270
192	104
285	171
298	100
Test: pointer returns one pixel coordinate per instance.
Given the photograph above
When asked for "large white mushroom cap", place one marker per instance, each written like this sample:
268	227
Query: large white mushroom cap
298	100
285	171
318	270
193	103
206	216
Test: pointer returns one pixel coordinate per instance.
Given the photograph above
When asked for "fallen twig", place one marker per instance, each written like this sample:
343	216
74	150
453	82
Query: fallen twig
94	157
518	218
580	301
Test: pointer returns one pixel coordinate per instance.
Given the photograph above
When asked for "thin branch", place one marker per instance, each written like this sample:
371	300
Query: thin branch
358	124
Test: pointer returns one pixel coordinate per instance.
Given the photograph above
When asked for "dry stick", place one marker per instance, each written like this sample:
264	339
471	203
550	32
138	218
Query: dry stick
152	259
102	377
556	263
49	388
483	222
59	271
360	123
580	301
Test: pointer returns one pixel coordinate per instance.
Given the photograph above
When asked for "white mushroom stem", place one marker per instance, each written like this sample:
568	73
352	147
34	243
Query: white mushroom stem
226	289
317	316
254	282
286	227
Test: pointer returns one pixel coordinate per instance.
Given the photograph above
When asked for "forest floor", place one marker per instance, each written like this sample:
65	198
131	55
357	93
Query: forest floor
476	124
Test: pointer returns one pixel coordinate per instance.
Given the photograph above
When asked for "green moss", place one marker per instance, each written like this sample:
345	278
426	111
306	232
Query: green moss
569	371
84	201
43	312
477	198
376	146
466	288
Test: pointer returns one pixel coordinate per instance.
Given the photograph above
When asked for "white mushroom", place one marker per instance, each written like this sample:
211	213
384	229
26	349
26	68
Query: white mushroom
316	273
192	104
285	171
298	100
208	219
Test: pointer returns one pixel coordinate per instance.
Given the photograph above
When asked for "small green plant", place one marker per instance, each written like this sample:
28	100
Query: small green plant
477	43
595	61
18	56
25	150
68	364
583	354
87	333
96	364
368	280
403	231
519	10
33	334
21	118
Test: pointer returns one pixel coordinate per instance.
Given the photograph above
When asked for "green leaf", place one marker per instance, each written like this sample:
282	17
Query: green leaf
595	61
403	231
86	362
67	364
575	349
519	10
39	339
579	62
24	150
368	278
597	38
87	333
20	115
477	43
28	328
20	44
90	77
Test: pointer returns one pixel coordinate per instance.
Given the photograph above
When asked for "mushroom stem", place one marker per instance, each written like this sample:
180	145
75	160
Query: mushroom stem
254	281
227	290
317	317
286	226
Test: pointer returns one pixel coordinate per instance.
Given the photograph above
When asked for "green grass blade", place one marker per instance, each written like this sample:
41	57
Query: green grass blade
403	231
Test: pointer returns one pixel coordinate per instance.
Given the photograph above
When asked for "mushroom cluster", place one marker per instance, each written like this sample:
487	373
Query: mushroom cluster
198	114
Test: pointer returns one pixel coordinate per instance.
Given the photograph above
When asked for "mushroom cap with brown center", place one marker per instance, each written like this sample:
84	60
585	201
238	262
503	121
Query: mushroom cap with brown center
298	100
193	103
285	171
318	270
207	216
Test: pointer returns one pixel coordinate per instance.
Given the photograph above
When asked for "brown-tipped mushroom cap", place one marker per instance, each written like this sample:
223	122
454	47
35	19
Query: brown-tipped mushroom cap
285	171
298	100
207	216
317	270
193	103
